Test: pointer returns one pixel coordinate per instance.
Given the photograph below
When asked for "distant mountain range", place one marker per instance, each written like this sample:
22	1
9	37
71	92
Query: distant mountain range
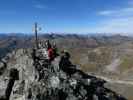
11	41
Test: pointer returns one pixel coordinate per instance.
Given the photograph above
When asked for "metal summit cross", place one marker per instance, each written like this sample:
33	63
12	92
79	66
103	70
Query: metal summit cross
36	29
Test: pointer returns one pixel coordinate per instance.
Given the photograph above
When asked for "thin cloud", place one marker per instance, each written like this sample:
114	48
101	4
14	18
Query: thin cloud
122	25
106	12
117	13
118	21
39	6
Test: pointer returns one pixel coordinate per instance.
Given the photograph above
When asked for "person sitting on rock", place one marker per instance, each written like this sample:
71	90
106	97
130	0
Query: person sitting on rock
65	64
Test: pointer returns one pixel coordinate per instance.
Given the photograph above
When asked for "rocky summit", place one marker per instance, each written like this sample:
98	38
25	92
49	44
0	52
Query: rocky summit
27	75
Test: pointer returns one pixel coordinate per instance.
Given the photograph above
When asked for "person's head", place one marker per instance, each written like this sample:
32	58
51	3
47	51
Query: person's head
65	54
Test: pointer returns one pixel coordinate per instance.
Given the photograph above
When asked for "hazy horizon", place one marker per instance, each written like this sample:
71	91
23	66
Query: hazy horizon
61	33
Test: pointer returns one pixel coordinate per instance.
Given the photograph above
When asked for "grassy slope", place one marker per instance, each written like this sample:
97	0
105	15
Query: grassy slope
127	63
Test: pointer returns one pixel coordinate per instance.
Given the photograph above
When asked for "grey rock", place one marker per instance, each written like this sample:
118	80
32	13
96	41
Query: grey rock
42	80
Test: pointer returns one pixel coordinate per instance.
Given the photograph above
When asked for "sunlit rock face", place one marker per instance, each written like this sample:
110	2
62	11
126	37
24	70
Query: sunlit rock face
54	82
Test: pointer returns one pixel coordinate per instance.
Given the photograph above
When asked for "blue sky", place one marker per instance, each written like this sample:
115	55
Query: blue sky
68	16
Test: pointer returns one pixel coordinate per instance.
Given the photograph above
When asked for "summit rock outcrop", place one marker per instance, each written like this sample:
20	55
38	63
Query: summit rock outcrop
40	79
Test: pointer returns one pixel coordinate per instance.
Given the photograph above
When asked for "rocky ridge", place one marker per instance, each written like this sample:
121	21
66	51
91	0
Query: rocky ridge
40	80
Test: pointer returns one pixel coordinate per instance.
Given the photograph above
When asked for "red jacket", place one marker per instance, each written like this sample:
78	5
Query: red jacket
50	54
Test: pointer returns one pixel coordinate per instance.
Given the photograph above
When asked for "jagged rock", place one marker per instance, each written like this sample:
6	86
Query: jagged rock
41	80
1	65
9	85
54	82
